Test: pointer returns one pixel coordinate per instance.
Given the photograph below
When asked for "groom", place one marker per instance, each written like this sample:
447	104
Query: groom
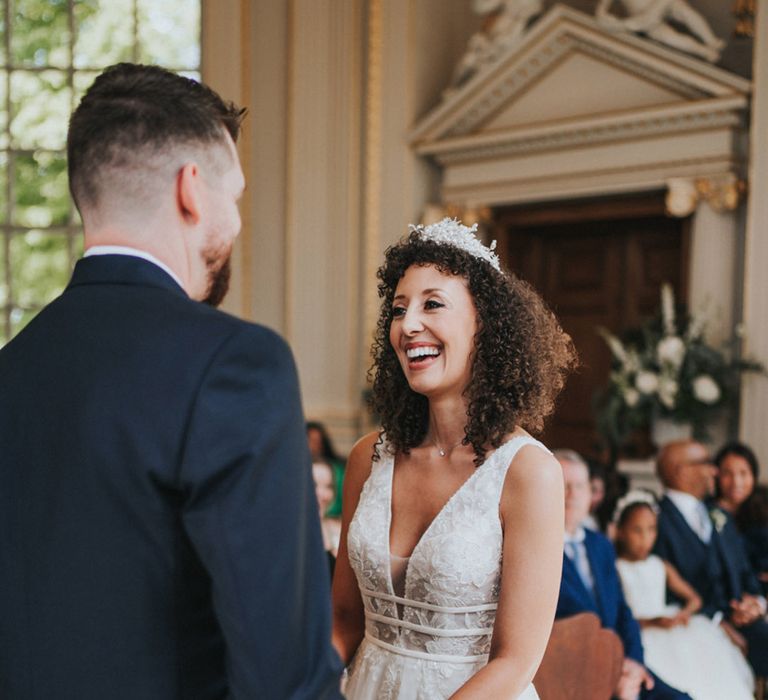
158	527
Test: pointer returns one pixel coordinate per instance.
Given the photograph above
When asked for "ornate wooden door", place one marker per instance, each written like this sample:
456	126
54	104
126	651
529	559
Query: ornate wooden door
596	263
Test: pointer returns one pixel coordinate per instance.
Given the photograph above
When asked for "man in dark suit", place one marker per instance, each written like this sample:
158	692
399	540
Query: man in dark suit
590	583
159	530
702	543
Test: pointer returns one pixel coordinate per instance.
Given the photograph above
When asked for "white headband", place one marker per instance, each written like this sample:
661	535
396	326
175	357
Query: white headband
636	496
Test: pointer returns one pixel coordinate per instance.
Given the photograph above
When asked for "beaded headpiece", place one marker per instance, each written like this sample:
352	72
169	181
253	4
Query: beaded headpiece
452	232
636	496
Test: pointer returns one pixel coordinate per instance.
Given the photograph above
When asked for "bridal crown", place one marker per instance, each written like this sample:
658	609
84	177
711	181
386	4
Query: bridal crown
452	232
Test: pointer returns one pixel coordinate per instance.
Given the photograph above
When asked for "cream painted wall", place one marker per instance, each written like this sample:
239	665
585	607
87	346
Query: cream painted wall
754	405
333	88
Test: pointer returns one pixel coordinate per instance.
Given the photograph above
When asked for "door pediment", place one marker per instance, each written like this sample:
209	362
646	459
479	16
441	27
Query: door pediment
574	109
564	93
569	67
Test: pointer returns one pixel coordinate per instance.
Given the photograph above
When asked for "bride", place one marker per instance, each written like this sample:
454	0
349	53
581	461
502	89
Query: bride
452	487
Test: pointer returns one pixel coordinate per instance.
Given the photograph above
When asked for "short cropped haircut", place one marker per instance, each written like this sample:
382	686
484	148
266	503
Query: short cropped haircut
520	359
133	110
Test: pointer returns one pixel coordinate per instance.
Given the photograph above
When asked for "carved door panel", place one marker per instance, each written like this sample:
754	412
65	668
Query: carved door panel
607	271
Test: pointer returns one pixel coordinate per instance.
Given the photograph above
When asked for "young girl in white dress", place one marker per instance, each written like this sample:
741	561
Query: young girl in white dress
464	354
688	651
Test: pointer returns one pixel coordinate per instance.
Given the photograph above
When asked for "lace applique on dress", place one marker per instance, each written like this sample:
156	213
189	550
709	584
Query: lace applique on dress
428	641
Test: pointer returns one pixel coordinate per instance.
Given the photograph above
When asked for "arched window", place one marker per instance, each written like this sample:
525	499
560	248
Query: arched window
50	52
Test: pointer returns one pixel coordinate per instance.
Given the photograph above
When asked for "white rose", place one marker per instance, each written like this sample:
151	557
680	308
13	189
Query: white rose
671	350
631	397
668	391
646	382
705	389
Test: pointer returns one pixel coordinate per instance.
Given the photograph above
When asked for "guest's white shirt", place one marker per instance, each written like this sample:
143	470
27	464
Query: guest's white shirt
575	540
134	252
695	513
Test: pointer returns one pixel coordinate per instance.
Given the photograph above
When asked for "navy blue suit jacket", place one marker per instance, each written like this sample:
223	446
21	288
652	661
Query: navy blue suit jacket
609	603
719	571
159	536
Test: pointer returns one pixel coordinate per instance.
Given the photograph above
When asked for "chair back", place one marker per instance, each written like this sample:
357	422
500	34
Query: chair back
582	661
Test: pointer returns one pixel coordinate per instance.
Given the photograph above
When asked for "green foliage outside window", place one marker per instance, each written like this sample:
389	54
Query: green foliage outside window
50	52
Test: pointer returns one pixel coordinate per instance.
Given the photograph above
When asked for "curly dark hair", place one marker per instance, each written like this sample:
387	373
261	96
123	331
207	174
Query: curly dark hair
520	361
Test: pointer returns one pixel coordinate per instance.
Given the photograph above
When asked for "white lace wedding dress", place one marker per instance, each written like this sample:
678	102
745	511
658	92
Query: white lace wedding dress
427	642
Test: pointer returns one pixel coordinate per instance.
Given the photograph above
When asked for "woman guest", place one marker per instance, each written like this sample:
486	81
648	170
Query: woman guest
321	448
324	491
739	495
464	356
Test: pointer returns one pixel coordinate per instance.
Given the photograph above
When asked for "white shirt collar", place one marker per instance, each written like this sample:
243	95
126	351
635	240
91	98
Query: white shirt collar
685	502
577	537
134	252
694	513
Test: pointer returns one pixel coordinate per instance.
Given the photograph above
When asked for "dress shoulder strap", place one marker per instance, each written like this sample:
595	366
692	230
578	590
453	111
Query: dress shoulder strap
511	447
504	455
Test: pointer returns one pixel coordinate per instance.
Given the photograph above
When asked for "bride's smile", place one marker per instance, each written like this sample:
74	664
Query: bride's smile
432	330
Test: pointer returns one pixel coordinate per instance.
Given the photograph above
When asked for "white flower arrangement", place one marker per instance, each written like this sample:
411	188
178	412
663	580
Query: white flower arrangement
669	371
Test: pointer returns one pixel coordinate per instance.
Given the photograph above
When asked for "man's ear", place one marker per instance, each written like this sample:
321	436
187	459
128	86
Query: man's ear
188	193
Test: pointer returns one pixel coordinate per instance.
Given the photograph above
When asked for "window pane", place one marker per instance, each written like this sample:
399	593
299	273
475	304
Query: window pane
3	195
50	53
40	190
104	31
20	318
3	111
40	267
76	247
40	35
41	106
82	81
3	284
169	33
3	60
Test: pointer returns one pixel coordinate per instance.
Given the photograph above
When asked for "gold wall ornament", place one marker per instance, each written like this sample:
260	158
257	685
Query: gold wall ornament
744	10
721	192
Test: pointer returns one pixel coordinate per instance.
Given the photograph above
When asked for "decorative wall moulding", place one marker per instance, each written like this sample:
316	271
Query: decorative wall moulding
561	33
573	109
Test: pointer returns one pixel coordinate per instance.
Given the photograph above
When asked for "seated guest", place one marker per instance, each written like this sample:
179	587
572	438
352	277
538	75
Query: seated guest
597	487
590	583
321	448
738	493
331	528
704	545
685	648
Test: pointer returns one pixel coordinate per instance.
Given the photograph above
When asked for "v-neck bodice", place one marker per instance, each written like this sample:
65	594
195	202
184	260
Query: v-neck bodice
452	580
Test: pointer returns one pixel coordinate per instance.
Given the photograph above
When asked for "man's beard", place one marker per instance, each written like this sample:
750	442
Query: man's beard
218	279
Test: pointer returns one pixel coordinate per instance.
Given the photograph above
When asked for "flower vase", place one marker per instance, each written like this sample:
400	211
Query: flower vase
666	430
